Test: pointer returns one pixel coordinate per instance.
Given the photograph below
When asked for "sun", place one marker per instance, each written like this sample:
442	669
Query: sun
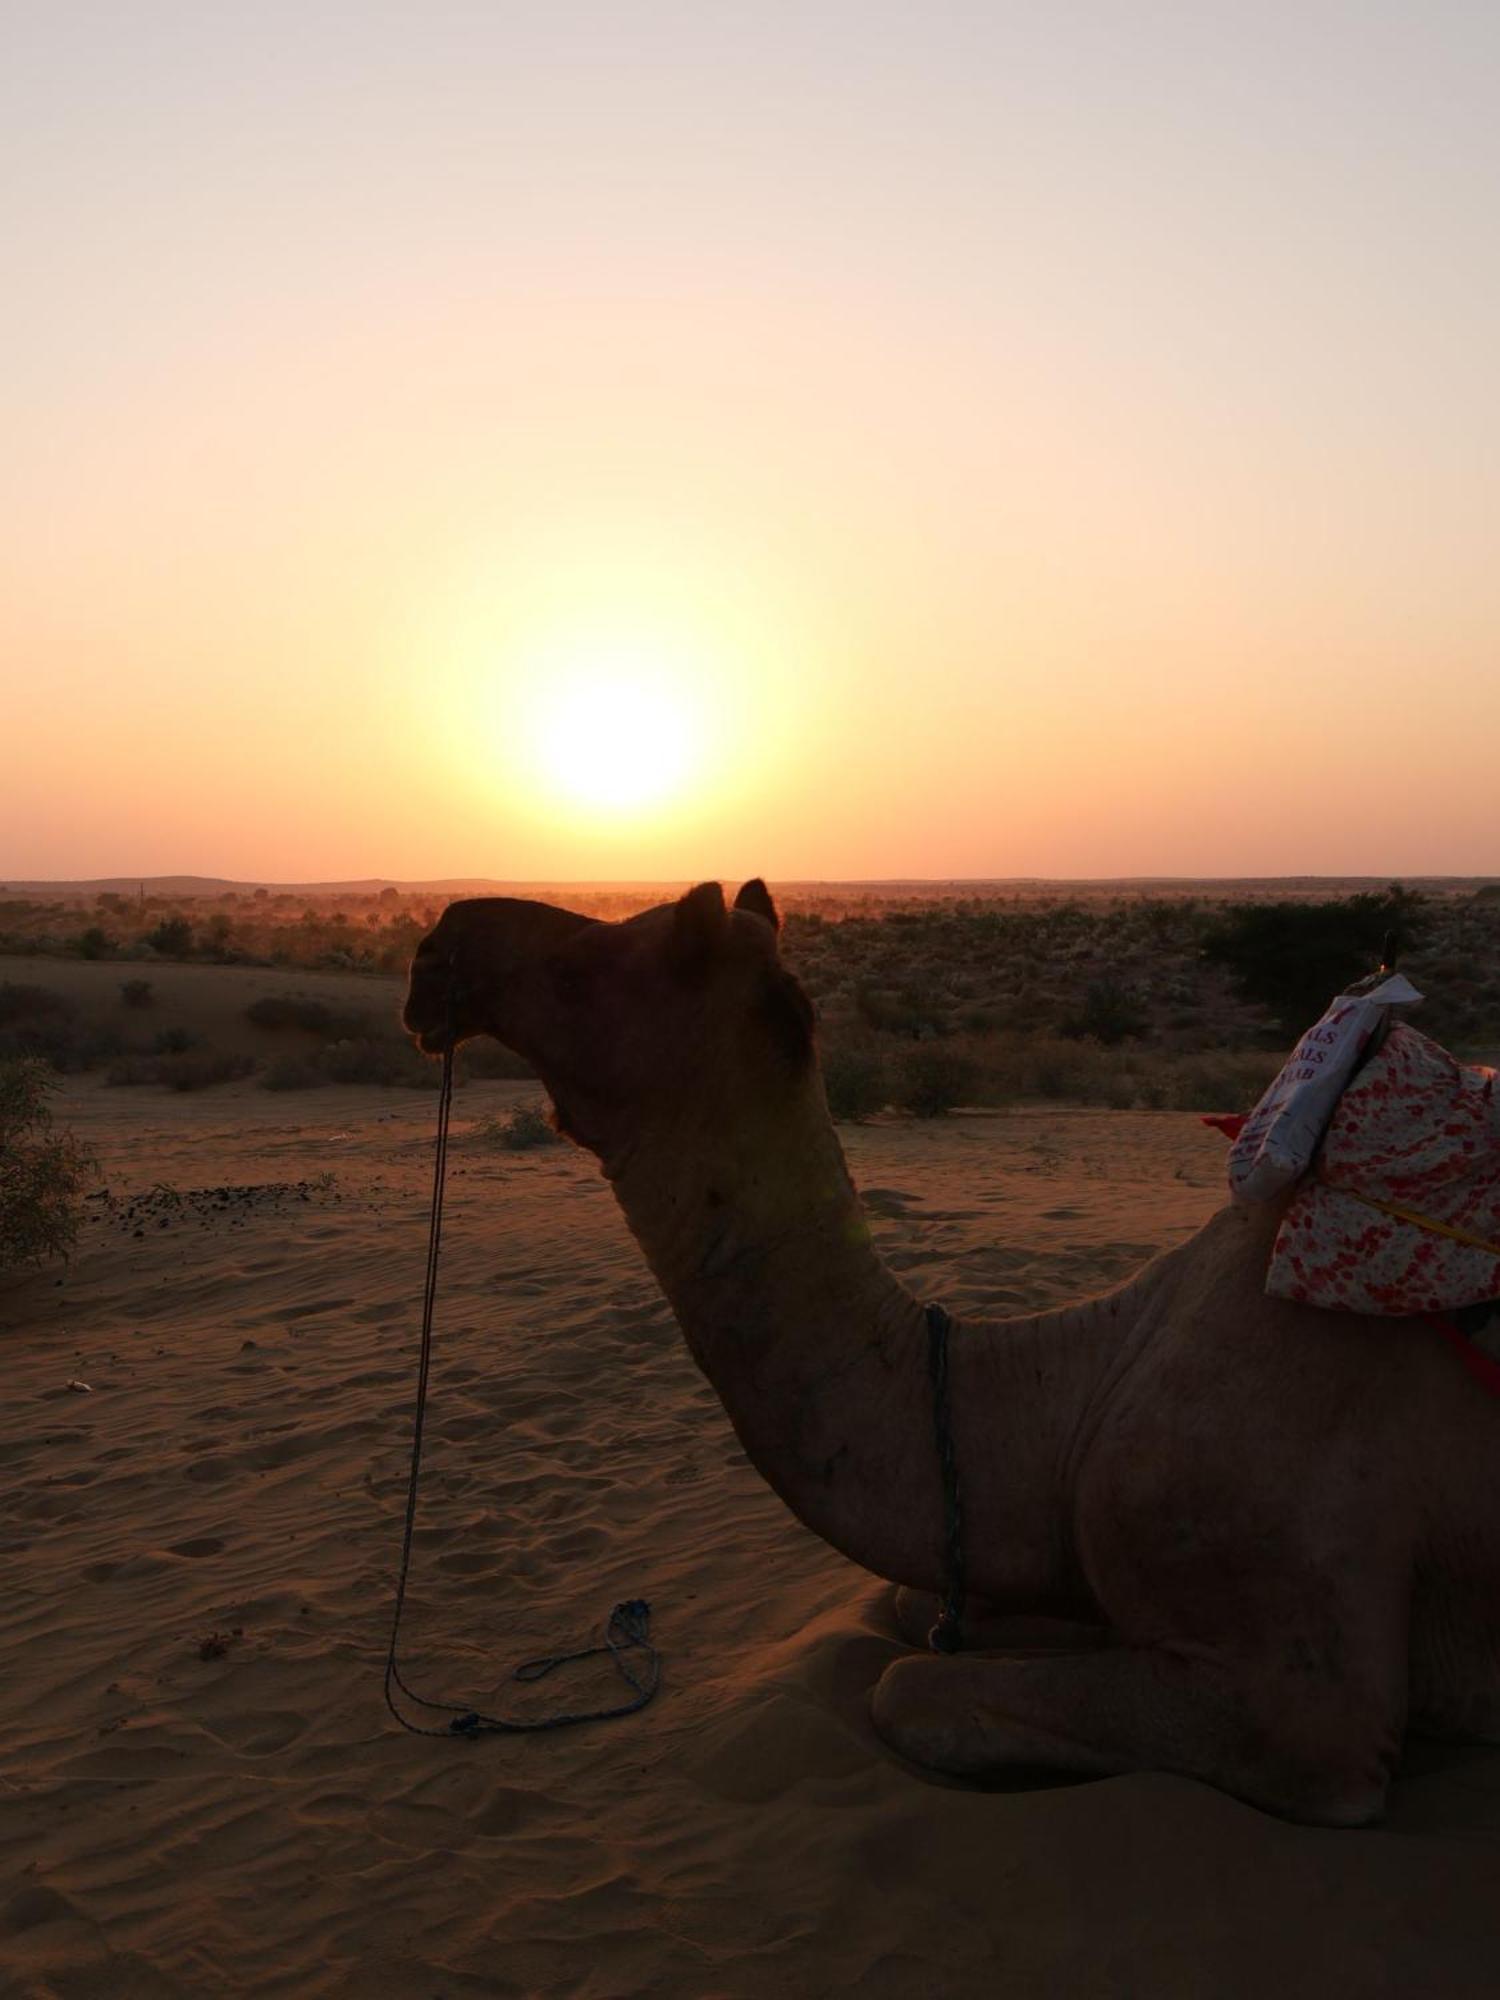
612	731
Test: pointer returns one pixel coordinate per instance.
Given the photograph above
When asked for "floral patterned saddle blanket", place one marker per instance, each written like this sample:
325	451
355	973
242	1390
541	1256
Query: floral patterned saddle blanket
1401	1211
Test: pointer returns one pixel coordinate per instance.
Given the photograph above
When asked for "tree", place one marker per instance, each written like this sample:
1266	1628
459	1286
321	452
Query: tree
1292	958
172	937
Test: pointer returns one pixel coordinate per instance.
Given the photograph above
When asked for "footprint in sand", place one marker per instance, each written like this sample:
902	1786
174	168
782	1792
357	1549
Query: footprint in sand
258	1735
887	1203
33	1907
209	1471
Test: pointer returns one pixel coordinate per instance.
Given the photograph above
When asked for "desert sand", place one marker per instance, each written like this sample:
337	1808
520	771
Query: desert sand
201	1791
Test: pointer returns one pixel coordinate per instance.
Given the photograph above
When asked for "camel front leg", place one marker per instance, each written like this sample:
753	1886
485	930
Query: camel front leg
1102	1714
989	1628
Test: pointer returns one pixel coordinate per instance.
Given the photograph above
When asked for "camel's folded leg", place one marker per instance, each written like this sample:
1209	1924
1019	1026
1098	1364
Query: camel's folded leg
1321	1757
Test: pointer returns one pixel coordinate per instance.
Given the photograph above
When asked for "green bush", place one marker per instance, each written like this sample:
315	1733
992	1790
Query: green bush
854	1081
1109	1014
933	1078
1293	958
42	1177
172	937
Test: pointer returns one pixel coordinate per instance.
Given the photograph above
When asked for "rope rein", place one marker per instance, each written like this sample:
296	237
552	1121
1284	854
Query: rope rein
627	1632
947	1635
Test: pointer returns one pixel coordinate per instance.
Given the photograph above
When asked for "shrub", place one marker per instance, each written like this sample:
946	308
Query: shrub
196	1069
288	1010
365	1059
521	1129
172	937
933	1078
95	942
135	992
293	1073
175	1041
35	1022
180	1069
29	1003
42	1177
487	1058
854	1082
368	1060
1109	1014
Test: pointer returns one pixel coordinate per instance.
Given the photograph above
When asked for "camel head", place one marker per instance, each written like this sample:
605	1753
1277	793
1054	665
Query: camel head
684	1008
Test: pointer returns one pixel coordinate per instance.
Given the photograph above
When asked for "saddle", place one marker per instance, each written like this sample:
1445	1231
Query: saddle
1400	1213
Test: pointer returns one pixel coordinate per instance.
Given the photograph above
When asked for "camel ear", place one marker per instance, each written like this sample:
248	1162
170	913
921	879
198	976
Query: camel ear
699	921
756	897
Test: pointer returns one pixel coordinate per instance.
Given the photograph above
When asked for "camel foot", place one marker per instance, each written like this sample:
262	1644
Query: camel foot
1110	1712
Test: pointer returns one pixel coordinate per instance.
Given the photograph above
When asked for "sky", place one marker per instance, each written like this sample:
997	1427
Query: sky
816	440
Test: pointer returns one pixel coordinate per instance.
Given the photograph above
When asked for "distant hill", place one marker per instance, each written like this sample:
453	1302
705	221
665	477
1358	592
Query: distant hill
210	887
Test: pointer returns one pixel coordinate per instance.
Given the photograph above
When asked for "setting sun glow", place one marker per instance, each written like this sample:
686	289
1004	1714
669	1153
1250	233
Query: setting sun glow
611	736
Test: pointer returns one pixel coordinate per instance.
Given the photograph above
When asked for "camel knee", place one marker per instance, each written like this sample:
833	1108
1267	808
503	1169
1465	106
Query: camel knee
1335	1778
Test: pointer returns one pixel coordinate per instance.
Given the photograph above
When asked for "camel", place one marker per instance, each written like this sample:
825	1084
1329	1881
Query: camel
1261	1540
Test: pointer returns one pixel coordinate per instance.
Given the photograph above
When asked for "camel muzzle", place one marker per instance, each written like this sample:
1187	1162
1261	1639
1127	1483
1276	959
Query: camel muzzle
474	969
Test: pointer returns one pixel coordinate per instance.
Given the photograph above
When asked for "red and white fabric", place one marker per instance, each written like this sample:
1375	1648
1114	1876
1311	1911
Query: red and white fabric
1416	1132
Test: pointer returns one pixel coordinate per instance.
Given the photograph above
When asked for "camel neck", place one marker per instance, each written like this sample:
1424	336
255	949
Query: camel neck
819	1355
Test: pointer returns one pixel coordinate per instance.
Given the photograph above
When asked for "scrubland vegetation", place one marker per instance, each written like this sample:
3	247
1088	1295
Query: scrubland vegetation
43	1174
926	999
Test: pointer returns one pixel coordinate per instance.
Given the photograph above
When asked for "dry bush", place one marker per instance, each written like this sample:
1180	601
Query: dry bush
371	1060
290	1010
180	1068
42	1176
292	1073
519	1131
365	1059
487	1059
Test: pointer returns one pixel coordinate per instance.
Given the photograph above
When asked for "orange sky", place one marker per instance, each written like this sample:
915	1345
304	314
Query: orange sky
877	441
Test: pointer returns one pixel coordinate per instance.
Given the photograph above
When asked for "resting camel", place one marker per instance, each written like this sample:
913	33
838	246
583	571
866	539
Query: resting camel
1272	1532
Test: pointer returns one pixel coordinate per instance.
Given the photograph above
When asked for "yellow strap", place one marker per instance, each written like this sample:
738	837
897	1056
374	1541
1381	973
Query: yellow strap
1427	1222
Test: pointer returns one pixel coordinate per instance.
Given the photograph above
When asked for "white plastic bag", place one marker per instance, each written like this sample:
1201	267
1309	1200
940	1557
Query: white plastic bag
1280	1136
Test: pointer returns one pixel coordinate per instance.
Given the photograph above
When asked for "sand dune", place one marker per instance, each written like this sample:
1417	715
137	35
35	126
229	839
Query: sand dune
203	1794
